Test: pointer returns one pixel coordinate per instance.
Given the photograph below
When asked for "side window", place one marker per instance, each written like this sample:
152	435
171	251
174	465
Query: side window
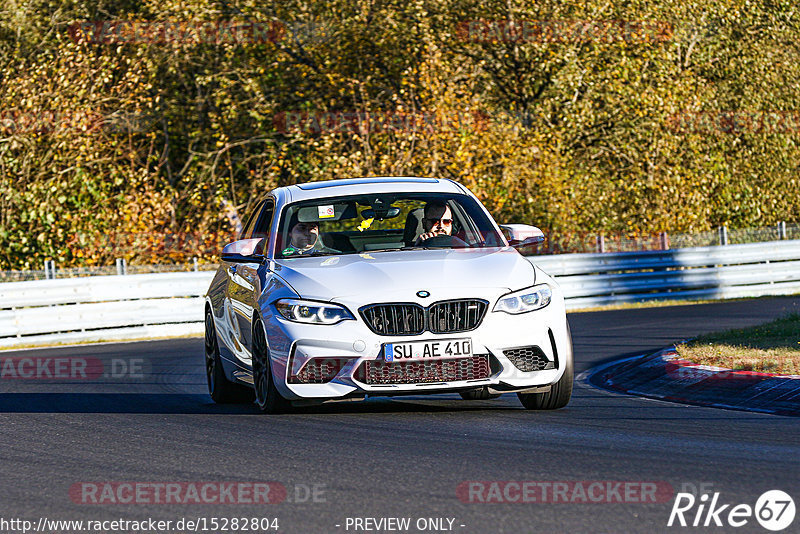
264	220
251	222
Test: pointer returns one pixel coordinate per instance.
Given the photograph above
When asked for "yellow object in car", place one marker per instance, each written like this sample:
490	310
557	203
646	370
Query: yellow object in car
365	224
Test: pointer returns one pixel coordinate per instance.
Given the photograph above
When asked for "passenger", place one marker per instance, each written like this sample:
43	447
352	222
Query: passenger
304	239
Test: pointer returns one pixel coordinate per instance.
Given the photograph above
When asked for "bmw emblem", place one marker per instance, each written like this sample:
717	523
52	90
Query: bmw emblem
423	294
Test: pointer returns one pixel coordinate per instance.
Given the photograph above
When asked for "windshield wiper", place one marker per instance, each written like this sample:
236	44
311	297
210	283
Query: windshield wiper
381	250
312	255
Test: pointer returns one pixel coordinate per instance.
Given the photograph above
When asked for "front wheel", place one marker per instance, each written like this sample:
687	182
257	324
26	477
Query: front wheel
556	398
222	390
268	398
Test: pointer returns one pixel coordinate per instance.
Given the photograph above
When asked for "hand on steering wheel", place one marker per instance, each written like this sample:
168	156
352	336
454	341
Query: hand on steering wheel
441	241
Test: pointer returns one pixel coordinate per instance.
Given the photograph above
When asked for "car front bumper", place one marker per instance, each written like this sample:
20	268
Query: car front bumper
293	345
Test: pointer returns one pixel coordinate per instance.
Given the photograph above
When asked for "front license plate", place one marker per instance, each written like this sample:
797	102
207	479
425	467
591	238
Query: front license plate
427	350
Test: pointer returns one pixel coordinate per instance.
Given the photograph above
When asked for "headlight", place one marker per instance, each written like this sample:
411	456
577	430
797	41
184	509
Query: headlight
306	311
525	300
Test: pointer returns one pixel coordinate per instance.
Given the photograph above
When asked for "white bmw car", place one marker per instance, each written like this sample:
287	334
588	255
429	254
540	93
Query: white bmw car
383	286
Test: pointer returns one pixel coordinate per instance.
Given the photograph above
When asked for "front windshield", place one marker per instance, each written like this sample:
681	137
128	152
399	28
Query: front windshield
383	222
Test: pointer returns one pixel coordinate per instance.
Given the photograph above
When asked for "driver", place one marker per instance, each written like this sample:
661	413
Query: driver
304	239
436	220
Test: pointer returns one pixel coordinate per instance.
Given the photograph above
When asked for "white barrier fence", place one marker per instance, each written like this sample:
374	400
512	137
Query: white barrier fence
93	308
732	271
171	304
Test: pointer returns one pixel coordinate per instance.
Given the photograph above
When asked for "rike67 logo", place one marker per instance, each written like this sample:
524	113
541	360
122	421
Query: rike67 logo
774	510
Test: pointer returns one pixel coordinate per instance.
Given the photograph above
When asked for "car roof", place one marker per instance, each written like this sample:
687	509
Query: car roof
378	184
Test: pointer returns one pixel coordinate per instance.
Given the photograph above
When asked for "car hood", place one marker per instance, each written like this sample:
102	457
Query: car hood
332	277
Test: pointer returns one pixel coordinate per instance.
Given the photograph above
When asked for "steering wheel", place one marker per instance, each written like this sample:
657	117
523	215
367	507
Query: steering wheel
444	241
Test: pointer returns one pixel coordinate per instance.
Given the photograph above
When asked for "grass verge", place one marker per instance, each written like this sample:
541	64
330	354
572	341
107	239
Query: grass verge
661	303
646	304
769	348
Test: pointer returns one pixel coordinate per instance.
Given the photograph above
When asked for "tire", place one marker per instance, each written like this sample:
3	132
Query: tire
268	398
556	398
559	393
478	394
222	390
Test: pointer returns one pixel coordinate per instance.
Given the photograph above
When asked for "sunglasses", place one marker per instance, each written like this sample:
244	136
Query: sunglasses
445	222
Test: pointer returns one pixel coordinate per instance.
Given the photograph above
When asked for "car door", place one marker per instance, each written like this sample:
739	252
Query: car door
244	282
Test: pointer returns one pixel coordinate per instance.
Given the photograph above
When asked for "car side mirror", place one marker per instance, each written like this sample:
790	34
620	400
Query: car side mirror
522	235
244	251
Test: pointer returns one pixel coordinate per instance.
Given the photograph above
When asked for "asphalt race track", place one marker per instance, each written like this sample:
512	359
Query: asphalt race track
382	458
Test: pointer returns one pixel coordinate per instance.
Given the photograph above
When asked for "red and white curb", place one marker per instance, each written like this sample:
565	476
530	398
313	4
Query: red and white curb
665	375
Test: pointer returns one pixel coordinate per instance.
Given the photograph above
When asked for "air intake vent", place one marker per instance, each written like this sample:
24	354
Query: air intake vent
529	359
377	372
318	371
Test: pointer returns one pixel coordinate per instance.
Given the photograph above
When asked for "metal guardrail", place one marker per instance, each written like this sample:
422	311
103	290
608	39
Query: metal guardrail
73	310
135	306
748	270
